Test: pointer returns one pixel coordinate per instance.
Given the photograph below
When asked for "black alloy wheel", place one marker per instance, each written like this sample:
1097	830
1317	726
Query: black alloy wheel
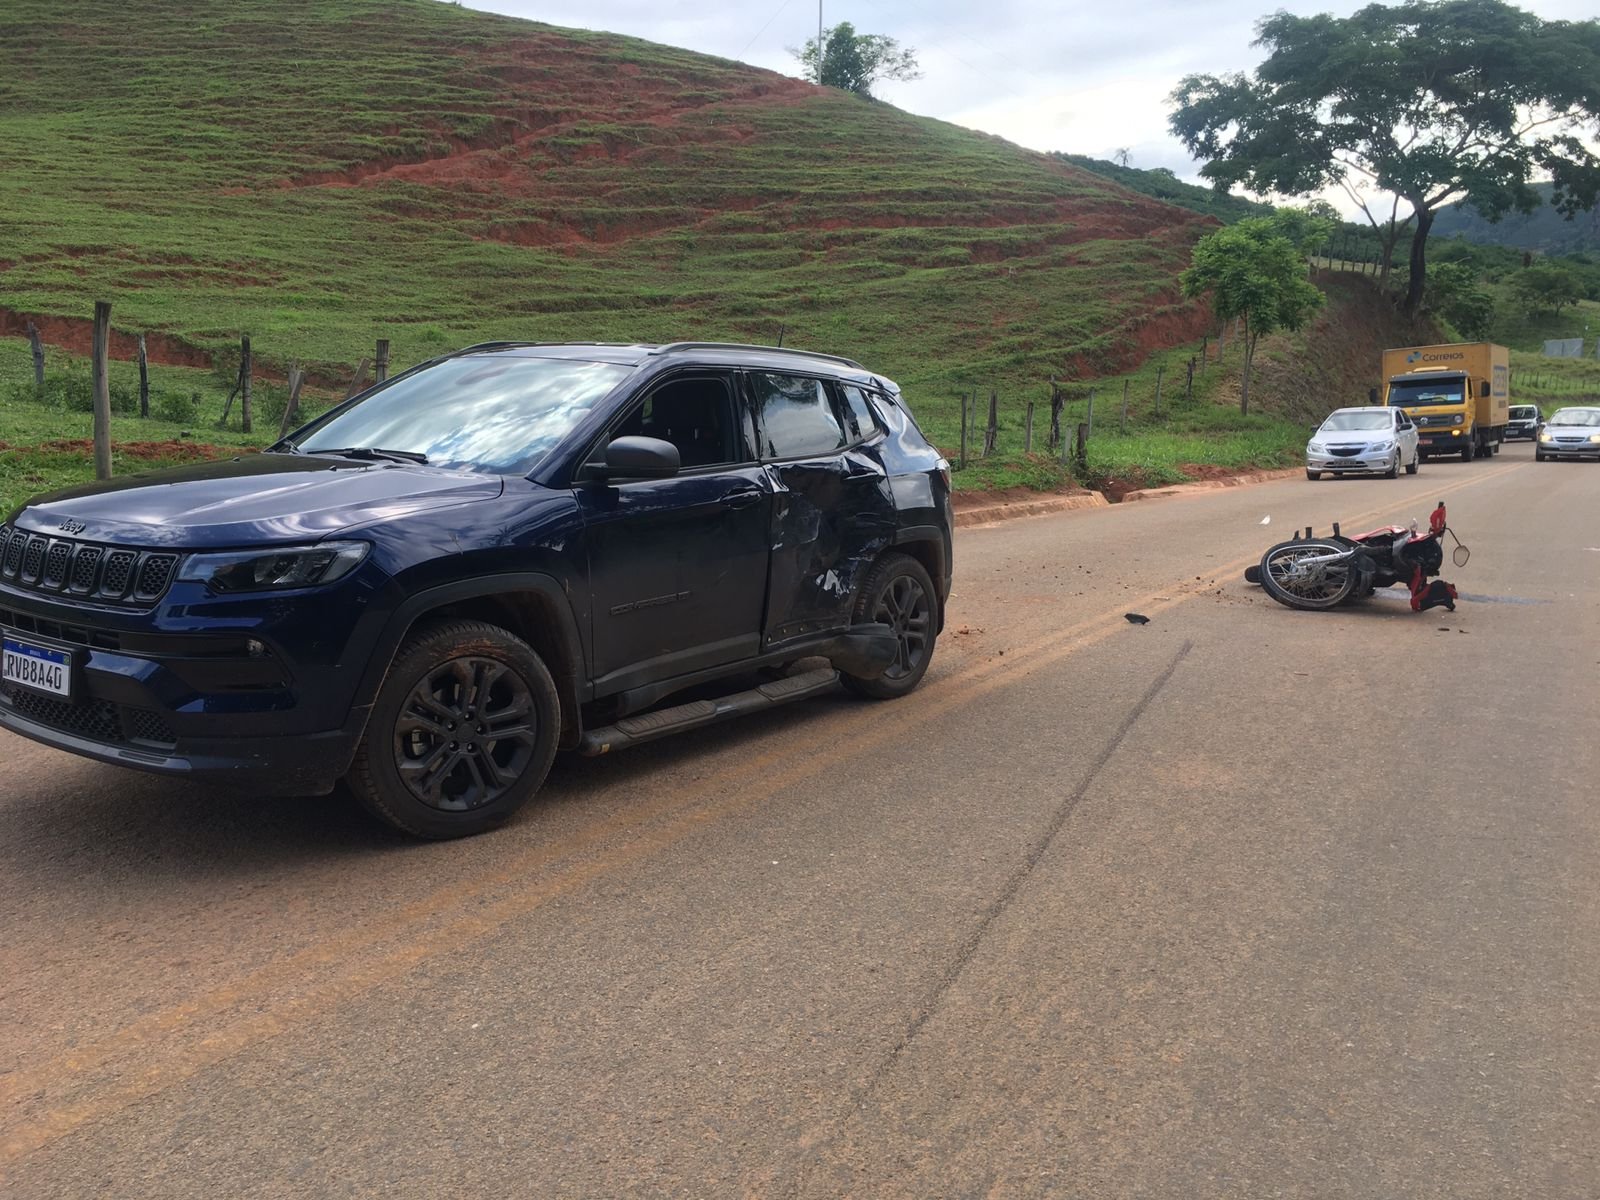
463	732
898	593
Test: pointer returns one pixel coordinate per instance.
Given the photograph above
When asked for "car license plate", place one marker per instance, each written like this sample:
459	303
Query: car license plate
36	667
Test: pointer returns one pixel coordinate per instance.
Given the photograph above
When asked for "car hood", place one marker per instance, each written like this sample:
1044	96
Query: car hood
248	500
1570	430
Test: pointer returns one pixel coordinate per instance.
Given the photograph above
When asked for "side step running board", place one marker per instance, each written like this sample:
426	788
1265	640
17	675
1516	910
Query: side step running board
631	731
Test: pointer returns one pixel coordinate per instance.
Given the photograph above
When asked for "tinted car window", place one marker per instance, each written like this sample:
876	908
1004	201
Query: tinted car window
493	413
697	416
795	415
858	414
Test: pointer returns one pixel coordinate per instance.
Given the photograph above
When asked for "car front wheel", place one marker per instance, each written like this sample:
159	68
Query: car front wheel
462	734
898	593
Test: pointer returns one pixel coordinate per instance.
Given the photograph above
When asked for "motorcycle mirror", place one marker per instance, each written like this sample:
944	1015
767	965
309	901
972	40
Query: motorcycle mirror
1460	555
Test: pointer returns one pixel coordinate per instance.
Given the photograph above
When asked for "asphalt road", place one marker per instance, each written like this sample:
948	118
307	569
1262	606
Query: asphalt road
1244	902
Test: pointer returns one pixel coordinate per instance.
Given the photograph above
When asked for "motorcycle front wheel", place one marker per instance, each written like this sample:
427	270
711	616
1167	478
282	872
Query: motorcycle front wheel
1292	577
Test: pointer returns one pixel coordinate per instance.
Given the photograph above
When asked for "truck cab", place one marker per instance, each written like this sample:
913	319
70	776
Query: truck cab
1458	396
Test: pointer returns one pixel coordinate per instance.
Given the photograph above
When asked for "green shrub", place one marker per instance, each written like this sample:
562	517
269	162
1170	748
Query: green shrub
176	407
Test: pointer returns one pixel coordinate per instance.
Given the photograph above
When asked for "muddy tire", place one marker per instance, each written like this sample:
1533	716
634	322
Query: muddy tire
462	734
898	592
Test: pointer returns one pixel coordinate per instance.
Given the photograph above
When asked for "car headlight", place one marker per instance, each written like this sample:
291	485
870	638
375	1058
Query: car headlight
268	570
1382	444
1594	437
1545	437
1458	419
1314	448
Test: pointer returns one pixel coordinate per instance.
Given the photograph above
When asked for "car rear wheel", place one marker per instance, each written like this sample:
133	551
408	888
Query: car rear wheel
898	593
462	734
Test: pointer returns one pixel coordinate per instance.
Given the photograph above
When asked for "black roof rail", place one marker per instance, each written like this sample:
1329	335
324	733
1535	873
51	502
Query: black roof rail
681	347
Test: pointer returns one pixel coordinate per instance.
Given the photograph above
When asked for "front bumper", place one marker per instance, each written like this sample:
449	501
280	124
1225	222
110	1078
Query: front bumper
261	690
1360	464
1573	450
295	765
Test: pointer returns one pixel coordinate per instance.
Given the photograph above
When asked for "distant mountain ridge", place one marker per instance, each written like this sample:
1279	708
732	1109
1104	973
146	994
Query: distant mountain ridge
1544	229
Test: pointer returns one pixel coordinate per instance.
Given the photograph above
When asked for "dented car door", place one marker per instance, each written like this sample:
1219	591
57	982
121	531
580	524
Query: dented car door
833	511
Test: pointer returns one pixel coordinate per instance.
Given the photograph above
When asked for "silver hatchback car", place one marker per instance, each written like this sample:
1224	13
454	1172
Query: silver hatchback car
1363	440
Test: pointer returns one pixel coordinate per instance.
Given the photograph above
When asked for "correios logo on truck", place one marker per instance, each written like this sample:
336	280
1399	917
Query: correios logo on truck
1433	356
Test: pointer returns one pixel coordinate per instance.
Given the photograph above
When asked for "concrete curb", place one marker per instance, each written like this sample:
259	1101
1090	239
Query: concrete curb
990	514
1212	485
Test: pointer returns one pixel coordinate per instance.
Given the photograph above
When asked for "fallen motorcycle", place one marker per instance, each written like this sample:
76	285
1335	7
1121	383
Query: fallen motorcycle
1324	572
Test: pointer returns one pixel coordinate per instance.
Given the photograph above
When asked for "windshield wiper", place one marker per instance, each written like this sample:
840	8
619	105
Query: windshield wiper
375	454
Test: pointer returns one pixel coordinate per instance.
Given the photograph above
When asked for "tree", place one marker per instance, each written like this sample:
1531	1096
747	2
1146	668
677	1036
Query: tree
853	62
1253	271
1122	156
1428	101
1545	287
1453	292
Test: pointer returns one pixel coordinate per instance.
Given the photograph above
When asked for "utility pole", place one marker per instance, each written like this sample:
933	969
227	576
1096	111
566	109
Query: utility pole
821	47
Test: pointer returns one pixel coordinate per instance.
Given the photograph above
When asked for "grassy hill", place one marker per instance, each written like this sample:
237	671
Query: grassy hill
324	174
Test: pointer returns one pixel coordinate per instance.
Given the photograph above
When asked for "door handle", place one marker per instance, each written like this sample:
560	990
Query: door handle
743	498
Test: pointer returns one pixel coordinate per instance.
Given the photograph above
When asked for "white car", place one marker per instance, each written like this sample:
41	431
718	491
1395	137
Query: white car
1363	440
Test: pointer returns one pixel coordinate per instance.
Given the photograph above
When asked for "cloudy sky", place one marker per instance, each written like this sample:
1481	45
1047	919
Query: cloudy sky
1074	76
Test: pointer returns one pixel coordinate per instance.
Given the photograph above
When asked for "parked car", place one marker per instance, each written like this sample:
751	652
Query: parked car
1363	440
503	551
1570	433
1523	422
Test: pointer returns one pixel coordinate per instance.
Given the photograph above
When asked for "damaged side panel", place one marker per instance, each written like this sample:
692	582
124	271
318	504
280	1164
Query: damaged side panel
833	517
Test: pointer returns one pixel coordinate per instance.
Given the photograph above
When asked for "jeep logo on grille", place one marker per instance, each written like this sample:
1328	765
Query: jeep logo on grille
71	526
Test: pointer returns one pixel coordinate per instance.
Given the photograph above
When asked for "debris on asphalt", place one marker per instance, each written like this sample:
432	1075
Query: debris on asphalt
1267	520
1136	618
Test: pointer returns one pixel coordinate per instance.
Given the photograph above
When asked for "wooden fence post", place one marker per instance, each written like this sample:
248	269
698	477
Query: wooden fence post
1188	383
358	378
144	380
1159	372
1090	418
963	463
244	383
992	430
1125	383
1027	431
100	347
380	363
37	346
1083	450
296	378
1205	344
1056	440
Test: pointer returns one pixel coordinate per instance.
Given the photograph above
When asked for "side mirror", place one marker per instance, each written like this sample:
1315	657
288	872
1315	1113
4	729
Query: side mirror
1372	395
638	458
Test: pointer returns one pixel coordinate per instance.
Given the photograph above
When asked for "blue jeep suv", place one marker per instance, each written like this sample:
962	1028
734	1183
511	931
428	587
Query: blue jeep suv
513	549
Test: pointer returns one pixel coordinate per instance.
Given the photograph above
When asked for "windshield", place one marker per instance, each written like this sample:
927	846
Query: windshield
494	413
1524	412
1576	416
1407	394
1340	421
